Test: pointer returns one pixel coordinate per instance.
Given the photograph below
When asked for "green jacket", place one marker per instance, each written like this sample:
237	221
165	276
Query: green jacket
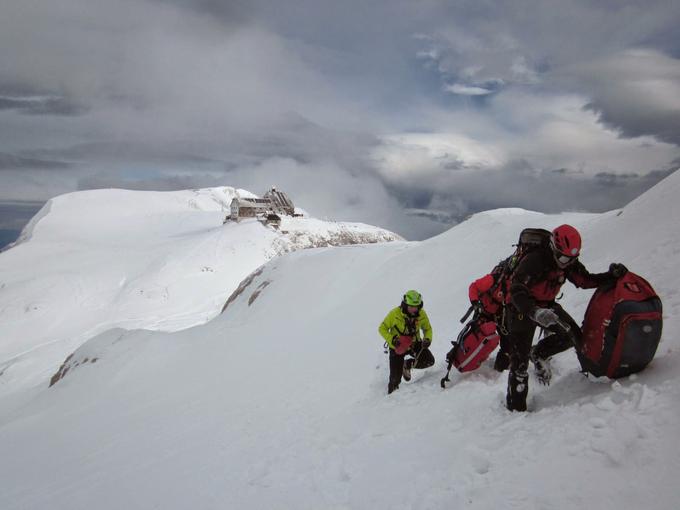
395	324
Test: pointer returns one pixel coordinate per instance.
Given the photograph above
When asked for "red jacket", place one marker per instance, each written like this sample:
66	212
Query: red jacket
479	291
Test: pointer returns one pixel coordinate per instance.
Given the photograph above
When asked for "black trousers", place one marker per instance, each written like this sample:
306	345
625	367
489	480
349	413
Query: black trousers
521	331
425	359
502	361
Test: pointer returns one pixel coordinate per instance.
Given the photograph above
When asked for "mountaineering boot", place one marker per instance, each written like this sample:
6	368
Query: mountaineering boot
541	368
392	387
516	398
502	361
407	369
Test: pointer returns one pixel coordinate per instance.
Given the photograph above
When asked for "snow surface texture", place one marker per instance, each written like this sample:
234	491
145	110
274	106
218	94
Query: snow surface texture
280	402
90	261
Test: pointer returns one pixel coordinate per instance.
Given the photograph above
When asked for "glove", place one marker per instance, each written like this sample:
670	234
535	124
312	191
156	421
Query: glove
617	270
544	317
426	343
395	341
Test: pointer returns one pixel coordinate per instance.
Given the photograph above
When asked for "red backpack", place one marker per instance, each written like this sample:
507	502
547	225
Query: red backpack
475	343
621	328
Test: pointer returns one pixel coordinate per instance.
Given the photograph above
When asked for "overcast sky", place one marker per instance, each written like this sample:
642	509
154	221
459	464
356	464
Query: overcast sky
406	114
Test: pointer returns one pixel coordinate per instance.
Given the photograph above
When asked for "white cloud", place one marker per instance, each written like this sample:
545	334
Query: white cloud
421	157
467	90
155	70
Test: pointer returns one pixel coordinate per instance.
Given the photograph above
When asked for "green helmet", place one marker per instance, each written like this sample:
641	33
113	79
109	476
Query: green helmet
413	298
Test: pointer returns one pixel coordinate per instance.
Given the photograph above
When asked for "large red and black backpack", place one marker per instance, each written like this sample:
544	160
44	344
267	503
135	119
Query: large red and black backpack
621	328
474	344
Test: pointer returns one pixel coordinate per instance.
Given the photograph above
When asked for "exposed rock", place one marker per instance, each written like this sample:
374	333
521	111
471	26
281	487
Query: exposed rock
242	286
67	365
254	295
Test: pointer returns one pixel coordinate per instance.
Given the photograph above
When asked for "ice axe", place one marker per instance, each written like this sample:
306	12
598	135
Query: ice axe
446	379
456	346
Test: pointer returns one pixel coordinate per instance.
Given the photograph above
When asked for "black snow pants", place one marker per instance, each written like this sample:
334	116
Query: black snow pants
425	359
521	331
502	361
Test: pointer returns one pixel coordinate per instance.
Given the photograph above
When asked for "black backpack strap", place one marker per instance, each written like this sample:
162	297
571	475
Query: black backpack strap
467	314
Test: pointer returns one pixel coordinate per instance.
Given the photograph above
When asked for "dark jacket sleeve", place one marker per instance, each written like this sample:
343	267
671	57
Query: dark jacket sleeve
528	272
579	276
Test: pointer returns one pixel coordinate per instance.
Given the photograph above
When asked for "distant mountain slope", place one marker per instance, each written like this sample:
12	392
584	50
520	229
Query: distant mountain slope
93	260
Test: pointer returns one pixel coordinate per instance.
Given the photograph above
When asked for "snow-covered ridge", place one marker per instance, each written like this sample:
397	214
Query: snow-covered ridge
94	260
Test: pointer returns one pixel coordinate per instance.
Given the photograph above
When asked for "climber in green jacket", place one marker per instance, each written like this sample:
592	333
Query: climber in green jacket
407	331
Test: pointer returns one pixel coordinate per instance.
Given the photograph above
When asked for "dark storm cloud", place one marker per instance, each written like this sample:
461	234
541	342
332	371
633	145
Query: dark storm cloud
636	92
127	151
13	162
42	106
631	123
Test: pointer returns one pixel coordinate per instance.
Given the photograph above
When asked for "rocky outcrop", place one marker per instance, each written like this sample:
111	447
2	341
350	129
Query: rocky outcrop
339	237
69	363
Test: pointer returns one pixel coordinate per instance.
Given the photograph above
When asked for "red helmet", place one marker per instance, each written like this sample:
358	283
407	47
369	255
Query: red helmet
566	244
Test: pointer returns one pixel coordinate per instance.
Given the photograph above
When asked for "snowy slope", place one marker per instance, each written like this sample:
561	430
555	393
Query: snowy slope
280	401
90	261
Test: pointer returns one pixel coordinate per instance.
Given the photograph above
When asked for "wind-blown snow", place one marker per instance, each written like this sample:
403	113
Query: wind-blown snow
280	401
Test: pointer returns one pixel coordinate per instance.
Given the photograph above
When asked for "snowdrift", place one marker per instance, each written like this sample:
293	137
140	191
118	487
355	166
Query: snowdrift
90	261
279	402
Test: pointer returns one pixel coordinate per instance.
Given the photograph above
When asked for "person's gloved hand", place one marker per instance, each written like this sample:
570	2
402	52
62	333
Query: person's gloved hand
426	343
395	341
544	317
617	270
